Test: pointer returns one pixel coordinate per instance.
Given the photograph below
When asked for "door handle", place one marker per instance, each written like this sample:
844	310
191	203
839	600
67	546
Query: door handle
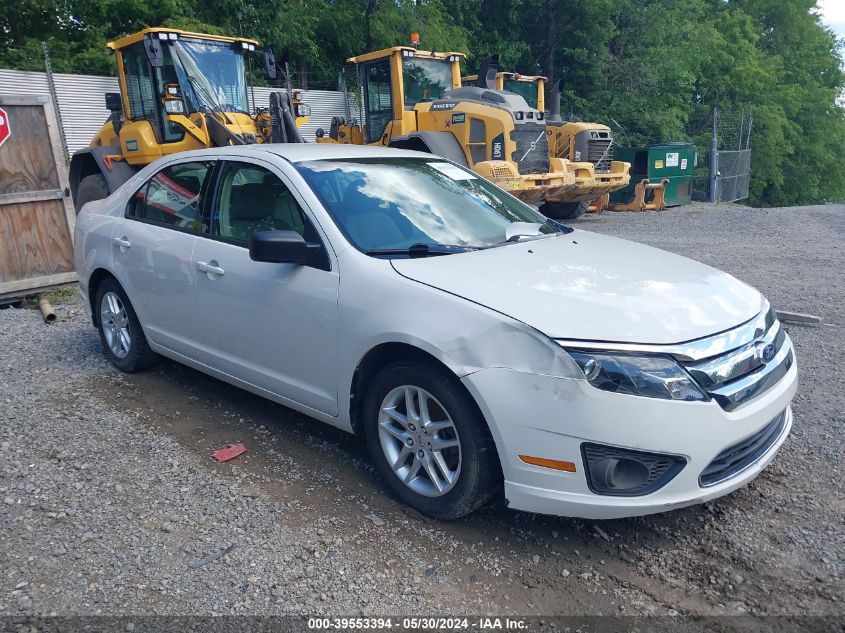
122	242
210	269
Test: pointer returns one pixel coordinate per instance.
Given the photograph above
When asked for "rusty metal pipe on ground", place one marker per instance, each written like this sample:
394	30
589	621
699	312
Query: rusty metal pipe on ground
46	309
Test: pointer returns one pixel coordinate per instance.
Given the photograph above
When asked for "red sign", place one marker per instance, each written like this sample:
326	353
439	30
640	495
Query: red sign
5	126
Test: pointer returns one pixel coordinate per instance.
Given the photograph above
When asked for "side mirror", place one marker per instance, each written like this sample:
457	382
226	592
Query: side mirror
113	103
279	247
269	62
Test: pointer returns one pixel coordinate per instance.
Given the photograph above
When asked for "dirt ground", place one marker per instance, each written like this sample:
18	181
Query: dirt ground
776	546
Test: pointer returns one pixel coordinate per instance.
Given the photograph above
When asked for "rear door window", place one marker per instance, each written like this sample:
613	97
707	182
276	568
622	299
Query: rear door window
174	196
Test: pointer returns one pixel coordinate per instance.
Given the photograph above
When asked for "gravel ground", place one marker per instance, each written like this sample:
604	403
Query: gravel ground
111	504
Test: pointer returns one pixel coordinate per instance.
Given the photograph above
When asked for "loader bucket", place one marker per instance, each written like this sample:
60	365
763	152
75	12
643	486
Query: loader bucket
599	204
648	196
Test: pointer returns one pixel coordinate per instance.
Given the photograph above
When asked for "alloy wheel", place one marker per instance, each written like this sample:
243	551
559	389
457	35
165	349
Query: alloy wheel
115	323
419	440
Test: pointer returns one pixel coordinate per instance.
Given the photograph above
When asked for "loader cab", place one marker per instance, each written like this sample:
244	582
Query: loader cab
394	80
531	88
168	75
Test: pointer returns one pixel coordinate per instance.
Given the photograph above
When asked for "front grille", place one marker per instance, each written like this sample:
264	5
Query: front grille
502	173
737	457
743	373
532	148
600	153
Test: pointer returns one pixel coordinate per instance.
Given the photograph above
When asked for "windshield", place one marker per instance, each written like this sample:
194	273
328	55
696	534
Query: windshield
425	79
525	89
397	203
210	74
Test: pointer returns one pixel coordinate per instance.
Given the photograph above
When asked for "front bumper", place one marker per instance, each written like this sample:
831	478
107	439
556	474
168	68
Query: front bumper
549	417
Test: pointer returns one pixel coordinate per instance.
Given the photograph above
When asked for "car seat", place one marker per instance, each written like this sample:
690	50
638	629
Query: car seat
367	223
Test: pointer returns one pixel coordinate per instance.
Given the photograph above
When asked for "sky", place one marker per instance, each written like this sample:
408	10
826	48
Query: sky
833	14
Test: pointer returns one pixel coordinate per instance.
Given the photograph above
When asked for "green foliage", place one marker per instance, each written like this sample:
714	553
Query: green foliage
657	67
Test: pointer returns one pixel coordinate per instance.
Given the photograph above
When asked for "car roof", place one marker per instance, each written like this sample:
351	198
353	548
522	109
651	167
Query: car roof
297	152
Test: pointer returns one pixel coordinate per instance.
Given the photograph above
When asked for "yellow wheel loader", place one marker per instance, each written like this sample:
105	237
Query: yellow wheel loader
178	91
413	99
578	142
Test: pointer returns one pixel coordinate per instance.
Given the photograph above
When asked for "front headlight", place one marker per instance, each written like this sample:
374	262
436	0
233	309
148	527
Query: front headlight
637	375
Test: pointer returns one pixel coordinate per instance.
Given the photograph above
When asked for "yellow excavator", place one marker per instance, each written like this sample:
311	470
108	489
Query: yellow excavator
413	99
178	91
576	141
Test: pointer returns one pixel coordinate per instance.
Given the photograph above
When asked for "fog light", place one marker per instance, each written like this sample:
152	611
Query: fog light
626	473
619	474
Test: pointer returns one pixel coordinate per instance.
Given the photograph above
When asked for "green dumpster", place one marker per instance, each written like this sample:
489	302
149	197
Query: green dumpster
675	162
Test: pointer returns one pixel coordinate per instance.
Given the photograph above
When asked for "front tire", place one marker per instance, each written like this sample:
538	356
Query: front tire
428	441
93	187
564	210
120	331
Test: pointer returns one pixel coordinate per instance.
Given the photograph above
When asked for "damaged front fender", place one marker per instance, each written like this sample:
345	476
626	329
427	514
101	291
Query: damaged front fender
465	336
509	344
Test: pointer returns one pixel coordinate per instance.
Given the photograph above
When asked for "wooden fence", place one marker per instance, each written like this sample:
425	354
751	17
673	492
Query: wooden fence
36	213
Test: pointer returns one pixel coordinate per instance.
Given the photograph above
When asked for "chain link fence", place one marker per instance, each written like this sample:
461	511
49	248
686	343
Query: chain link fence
722	137
733	156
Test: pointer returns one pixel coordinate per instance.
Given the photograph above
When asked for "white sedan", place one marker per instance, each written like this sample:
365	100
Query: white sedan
476	346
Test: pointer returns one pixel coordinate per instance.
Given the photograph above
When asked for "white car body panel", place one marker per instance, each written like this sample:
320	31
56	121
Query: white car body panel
297	334
157	266
587	286
697	431
274	325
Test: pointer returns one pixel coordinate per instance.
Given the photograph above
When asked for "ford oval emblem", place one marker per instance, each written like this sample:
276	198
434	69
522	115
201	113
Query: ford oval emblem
766	353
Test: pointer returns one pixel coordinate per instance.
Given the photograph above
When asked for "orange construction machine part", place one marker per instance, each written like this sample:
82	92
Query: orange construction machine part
648	196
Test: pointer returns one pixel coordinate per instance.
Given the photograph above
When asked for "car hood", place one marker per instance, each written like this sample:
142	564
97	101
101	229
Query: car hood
588	286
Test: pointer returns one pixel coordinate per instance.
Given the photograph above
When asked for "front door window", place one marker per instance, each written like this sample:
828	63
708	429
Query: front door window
425	79
252	198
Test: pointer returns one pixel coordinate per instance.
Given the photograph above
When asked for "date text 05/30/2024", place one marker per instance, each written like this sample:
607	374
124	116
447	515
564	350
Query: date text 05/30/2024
485	623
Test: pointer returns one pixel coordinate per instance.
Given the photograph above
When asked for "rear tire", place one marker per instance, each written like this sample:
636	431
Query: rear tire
564	210
442	437
93	187
120	331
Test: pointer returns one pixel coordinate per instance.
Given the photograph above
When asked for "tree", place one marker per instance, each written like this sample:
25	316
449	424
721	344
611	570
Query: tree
657	67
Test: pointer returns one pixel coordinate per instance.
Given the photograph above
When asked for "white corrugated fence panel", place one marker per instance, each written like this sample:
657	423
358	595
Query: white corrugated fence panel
19	82
83	111
325	104
82	104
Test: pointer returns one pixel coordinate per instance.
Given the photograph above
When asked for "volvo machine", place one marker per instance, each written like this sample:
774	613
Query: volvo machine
178	91
413	99
574	140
